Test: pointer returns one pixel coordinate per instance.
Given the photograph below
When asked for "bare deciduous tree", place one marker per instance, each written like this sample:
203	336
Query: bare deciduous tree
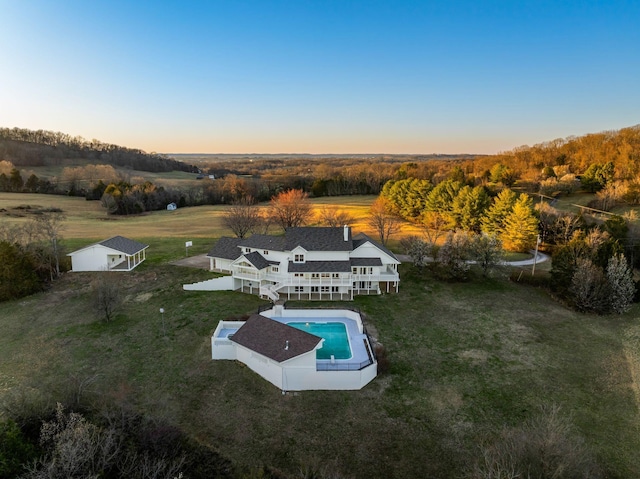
49	225
334	217
621	284
382	220
107	294
290	209
242	217
589	287
435	226
545	446
454	255
417	249
487	252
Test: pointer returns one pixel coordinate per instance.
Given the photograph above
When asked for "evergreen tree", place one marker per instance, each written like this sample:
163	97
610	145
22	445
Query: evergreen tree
441	197
521	226
494	219
469	207
18	277
621	284
15	180
597	176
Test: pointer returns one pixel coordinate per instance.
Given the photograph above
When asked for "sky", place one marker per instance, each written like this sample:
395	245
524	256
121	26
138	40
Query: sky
344	76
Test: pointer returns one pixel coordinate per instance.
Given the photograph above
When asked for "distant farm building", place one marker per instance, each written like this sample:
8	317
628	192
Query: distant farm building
113	254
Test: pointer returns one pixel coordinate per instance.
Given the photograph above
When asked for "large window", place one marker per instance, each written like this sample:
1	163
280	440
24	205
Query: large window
299	258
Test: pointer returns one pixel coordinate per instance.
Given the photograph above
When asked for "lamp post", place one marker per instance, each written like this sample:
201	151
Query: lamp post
164	331
535	256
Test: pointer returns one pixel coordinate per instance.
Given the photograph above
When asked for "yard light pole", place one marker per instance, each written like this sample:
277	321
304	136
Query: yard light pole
164	331
535	256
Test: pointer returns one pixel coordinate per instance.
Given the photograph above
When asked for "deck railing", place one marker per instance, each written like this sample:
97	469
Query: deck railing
343	366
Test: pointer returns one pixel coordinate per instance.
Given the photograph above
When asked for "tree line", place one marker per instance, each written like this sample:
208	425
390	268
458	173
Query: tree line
451	205
31	254
24	148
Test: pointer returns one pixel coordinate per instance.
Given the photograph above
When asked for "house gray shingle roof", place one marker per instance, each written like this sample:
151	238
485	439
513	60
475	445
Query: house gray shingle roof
320	267
310	238
269	338
362	238
313	238
258	260
226	248
273	243
125	245
366	262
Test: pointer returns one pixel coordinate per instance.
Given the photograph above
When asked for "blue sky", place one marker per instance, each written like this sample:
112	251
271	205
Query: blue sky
320	77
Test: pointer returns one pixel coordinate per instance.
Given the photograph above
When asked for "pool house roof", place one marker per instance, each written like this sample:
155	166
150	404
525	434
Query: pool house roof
274	340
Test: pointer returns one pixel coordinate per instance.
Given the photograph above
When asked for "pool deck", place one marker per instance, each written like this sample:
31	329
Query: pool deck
359	353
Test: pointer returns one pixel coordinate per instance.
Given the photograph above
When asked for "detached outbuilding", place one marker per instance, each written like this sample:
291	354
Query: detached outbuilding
113	254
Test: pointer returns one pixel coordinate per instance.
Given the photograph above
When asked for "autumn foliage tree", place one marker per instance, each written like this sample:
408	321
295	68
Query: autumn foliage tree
521	226
290	209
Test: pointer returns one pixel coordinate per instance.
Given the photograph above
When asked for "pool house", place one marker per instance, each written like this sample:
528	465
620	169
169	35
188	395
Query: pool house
300	349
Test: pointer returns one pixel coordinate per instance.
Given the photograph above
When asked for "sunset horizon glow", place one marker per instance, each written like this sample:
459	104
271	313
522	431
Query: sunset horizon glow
335	77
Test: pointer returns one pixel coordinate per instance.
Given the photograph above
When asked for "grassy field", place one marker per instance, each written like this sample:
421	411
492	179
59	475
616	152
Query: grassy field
88	220
465	360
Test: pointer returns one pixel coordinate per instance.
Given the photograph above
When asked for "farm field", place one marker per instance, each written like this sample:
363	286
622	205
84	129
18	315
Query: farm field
465	361
89	220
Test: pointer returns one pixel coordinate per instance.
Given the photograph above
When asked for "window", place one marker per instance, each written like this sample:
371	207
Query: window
354	270
265	252
274	269
298	289
315	275
335	275
324	289
299	258
335	289
298	275
314	289
324	275
247	250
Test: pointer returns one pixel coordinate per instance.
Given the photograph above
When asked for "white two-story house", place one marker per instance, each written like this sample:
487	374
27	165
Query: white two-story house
307	263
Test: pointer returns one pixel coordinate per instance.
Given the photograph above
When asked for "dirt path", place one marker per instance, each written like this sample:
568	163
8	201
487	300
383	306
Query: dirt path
200	261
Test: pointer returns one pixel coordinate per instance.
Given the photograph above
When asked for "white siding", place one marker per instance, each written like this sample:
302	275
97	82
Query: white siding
92	258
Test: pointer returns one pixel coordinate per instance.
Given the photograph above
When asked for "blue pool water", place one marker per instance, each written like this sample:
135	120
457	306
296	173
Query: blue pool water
336	342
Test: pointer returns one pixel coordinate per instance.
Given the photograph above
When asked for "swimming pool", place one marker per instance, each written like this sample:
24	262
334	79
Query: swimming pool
336	341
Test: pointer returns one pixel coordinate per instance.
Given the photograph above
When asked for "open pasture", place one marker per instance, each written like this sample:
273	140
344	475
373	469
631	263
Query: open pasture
465	360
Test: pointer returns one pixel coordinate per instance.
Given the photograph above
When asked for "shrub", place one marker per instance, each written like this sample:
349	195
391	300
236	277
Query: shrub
15	449
544	447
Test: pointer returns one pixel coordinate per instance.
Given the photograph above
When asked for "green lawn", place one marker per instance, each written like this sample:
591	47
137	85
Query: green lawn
464	360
